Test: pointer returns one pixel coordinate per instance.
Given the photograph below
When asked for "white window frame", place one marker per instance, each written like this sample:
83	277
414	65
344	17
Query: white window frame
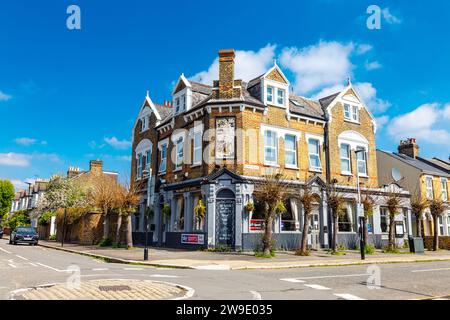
148	159
286	150
362	174
444	189
163	159
268	162
179	143
429	188
349	158
145	123
177	105
139	166
271	95
197	147
265	83
282	96
183	103
312	168
351	112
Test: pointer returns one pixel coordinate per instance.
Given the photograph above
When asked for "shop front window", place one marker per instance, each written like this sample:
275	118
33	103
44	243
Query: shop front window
288	221
345	222
384	220
257	217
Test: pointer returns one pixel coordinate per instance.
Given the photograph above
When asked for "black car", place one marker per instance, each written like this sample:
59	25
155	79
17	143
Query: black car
1	233
24	235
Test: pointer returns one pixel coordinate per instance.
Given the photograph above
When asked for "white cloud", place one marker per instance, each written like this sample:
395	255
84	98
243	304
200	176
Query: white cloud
369	95
4	96
15	159
318	66
248	65
425	123
118	144
447	111
363	48
374	65
381	121
389	17
21	184
25	141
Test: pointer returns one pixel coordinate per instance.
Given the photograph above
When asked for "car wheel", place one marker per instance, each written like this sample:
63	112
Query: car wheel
10	242
30	244
15	243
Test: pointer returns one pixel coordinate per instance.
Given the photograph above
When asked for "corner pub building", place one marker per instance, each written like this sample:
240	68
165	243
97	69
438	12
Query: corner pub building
213	142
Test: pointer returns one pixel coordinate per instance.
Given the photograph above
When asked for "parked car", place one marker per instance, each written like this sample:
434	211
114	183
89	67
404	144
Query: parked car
24	235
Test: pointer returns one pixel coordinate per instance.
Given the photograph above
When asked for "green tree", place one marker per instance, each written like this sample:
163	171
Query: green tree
6	197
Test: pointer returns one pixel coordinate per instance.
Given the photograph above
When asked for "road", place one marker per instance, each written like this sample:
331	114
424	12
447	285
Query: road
26	266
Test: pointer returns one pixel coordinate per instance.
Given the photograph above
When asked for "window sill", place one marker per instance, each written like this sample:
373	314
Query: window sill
272	165
363	175
348	174
195	165
351	121
177	170
315	170
291	167
162	173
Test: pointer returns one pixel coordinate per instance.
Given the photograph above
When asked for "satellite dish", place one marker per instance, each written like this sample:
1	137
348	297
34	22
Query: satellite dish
396	175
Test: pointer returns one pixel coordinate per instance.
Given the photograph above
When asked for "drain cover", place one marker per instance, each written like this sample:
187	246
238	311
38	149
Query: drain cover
114	288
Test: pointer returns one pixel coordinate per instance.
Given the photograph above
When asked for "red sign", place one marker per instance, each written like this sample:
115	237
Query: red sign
192	238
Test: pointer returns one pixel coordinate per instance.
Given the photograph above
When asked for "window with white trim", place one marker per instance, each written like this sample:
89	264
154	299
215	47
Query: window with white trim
270	147
269	94
183	102
361	158
197	139
163	162
280	96
177	105
144	123
345	158
448	224
444	189
351	112
290	146
148	160
139	166
346	219
429	186
179	154
384	219
314	154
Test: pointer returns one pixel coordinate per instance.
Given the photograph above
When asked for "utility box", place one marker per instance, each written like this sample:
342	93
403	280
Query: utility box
416	245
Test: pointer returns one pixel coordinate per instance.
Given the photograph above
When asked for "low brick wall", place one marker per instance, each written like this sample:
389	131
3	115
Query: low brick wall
444	243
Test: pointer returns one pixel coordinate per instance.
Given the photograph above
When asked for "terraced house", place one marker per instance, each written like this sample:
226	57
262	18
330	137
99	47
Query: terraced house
214	142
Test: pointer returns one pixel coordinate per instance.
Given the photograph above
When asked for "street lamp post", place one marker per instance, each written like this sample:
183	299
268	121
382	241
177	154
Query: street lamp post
147	210
362	218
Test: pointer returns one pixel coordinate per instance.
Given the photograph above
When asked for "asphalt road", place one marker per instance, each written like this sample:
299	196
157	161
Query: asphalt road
26	266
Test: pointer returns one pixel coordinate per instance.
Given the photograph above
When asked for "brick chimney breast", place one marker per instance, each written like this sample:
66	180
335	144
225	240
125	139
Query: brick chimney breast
226	73
409	147
96	166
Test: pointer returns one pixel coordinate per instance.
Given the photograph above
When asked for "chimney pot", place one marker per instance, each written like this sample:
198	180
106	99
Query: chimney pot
409	147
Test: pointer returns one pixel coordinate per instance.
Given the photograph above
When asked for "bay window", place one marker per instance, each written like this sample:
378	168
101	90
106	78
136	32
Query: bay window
290	150
361	158
270	147
314	154
345	159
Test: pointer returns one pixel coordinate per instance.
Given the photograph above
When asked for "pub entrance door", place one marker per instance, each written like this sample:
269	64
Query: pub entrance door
225	217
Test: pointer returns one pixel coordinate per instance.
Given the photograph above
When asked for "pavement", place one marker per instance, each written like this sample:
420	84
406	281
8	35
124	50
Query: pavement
24	268
172	258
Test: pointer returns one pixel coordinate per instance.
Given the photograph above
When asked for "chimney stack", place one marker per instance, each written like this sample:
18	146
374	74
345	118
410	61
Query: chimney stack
72	172
226	73
96	166
409	147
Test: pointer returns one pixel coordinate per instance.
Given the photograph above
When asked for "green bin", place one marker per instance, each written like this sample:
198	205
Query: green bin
416	245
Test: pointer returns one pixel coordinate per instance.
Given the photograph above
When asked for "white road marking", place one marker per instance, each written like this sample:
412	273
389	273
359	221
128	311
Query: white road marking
34	265
12	265
430	270
133	269
1	249
317	287
213	267
348	296
292	280
256	295
336	276
163	276
23	258
48	267
100	269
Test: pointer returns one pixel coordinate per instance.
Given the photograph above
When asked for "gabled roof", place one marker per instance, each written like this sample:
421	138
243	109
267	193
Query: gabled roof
307	107
223	171
181	83
418	164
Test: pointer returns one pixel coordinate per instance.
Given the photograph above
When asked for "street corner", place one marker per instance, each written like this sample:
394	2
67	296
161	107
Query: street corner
116	289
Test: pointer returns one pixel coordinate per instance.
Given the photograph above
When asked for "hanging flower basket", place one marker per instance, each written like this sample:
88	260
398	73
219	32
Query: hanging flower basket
250	206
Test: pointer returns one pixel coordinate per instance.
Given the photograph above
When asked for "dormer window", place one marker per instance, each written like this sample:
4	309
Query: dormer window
177	105
269	94
144	123
280	96
351	112
183	102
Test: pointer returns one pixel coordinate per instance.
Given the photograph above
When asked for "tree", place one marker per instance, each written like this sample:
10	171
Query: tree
104	193
437	209
126	202
6	197
335	202
418	206
393	204
307	199
270	192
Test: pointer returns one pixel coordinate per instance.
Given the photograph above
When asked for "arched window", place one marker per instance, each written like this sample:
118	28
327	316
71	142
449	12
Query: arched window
225	194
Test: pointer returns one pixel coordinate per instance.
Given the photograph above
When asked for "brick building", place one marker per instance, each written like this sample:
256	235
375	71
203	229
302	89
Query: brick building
214	142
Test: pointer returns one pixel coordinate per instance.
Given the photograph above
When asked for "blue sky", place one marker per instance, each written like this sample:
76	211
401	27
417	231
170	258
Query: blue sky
68	96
